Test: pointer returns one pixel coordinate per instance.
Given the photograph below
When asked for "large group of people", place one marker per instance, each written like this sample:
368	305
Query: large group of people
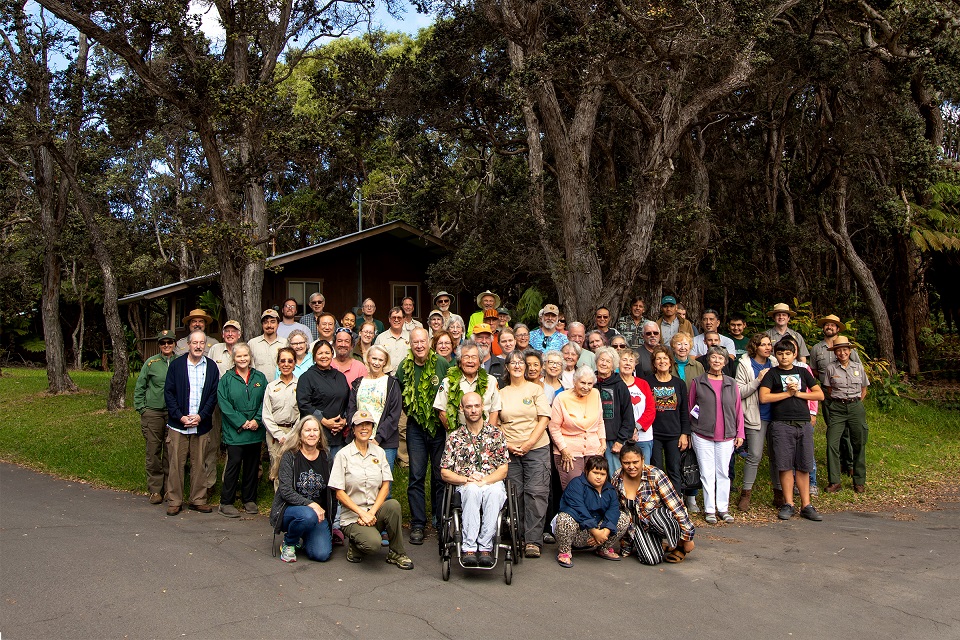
588	425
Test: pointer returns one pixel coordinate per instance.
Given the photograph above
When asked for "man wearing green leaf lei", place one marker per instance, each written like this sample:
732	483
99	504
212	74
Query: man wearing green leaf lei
419	375
469	376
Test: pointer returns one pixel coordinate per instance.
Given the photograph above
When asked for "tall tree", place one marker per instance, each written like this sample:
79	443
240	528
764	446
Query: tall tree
29	119
228	92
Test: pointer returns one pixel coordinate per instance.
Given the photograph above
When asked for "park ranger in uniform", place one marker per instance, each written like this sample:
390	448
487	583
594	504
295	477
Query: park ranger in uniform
149	403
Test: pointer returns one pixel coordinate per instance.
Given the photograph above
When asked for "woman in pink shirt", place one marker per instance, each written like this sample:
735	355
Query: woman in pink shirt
576	426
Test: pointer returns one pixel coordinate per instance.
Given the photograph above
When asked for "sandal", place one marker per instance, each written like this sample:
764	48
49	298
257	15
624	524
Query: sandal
565	560
675	556
608	553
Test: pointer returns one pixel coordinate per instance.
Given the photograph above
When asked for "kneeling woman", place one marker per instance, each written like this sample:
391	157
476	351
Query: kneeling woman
361	476
302	505
590	514
657	511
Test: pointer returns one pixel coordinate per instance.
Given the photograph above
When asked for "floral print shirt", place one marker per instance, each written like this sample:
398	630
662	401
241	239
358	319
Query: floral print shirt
466	454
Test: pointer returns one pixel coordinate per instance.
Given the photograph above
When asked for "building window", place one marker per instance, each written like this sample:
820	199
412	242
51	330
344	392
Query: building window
301	290
401	290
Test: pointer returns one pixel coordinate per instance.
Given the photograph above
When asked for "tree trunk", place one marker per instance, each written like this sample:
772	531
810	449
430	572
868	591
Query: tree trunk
839	237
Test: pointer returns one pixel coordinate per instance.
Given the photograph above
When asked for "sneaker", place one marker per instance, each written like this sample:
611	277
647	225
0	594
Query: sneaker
288	553
815	491
469	559
229	511
725	516
608	554
810	513
337	537
486	559
251	508
692	506
711	518
549	539
416	535
400	560
353	554
786	512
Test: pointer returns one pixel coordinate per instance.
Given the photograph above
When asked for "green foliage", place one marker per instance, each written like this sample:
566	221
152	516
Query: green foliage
528	308
212	304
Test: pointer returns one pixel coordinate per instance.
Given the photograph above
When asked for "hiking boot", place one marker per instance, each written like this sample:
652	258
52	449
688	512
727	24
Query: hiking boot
416	535
156	498
469	559
744	503
402	561
353	554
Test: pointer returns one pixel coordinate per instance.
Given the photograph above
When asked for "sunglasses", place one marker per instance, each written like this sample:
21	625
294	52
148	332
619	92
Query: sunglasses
343	330
165	342
651	333
619	346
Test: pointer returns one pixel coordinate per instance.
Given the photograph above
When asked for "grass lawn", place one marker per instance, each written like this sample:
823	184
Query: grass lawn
913	454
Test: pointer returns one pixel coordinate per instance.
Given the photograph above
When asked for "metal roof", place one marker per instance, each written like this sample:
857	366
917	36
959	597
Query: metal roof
398	229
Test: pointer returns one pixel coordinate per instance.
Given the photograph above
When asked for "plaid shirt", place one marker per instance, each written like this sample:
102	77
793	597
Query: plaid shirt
655	491
466	454
310	322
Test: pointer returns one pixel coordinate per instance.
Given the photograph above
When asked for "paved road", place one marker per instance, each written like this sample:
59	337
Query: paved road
79	562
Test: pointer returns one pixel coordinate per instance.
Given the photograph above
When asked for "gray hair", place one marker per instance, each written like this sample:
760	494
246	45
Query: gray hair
191	334
650	322
571	325
520	325
717	350
573	345
584	372
553	352
384	352
455	321
299	332
586	338
469	344
611	352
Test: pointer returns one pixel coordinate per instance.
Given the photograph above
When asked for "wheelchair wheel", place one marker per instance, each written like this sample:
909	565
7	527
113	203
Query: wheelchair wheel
516	535
508	572
445	569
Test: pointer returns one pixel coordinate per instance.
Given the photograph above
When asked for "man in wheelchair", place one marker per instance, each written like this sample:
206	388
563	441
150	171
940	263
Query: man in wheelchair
475	462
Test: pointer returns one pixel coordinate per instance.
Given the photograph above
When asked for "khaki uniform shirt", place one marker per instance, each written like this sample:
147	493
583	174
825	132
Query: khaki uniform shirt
491	398
821	357
846	383
360	476
398	348
280	408
265	355
220	355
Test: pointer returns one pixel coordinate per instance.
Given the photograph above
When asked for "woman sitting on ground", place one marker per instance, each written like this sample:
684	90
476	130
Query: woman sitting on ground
590	514
302	505
361	477
662	529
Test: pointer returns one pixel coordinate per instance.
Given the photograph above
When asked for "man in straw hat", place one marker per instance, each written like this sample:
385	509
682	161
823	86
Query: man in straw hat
820	358
845	383
486	300
781	314
196	320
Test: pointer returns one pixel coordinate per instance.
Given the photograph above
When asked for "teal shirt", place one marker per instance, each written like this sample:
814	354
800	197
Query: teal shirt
241	401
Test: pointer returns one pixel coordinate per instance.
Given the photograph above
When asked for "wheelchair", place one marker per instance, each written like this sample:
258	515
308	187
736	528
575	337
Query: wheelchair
508	541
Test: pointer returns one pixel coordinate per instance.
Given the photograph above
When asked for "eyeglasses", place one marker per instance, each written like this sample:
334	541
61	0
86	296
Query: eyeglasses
165	343
601	317
299	343
443	301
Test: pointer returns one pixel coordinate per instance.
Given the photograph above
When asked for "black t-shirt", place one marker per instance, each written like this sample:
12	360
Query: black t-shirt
310	476
789	409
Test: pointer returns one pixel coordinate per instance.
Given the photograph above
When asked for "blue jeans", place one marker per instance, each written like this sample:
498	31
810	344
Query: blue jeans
422	448
646	448
391	460
613	459
336	517
301	523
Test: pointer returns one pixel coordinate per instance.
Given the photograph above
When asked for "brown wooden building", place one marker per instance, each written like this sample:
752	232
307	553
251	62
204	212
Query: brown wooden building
385	263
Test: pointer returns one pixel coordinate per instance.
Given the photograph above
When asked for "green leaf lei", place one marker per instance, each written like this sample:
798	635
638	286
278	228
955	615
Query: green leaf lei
455	394
418	399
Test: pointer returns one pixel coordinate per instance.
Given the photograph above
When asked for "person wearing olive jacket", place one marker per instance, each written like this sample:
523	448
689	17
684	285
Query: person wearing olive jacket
149	402
240	394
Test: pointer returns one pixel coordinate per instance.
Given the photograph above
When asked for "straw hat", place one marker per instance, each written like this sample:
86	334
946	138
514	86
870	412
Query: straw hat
828	319
841	341
496	298
197	313
781	307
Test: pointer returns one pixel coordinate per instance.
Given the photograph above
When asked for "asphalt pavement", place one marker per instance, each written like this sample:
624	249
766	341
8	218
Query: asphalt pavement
79	562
